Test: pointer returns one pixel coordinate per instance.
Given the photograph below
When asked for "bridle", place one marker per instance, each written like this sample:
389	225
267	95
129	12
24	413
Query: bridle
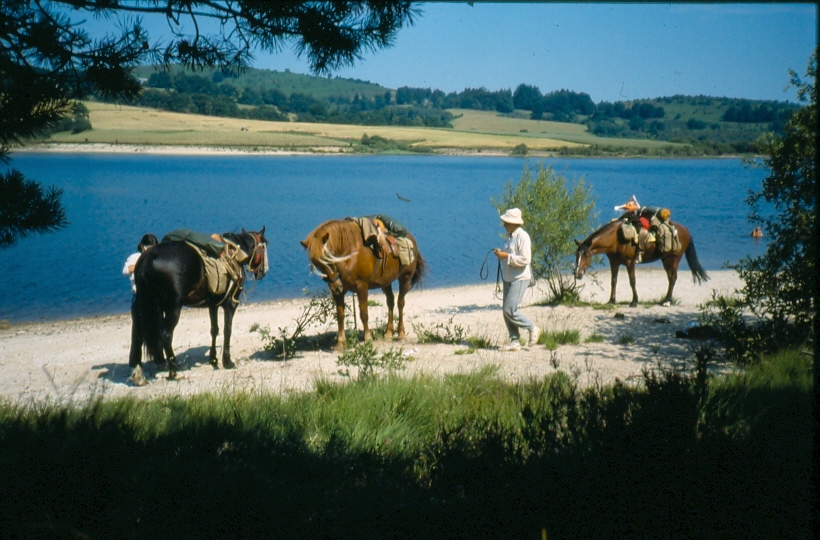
259	256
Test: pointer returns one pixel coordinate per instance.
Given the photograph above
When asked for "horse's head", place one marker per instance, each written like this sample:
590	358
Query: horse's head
257	245
321	257
583	258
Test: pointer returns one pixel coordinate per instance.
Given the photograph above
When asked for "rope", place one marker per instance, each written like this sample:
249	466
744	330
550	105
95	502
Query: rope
484	272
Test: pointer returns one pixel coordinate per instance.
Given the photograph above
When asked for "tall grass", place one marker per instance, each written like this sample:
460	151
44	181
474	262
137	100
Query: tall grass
462	456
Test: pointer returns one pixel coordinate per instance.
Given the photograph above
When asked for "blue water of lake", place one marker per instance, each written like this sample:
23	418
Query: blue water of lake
112	200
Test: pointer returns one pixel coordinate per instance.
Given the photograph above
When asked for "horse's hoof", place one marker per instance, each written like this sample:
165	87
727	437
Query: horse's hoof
339	348
667	303
228	364
633	304
137	377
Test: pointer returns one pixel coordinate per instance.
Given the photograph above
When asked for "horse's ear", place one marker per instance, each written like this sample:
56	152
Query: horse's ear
325	237
577	243
243	230
262	232
304	244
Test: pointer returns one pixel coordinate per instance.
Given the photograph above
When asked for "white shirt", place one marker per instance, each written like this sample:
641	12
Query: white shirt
516	267
131	261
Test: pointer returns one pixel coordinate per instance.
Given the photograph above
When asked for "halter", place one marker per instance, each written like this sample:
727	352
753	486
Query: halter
263	263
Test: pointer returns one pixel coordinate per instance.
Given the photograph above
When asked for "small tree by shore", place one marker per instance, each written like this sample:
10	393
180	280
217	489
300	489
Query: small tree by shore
555	212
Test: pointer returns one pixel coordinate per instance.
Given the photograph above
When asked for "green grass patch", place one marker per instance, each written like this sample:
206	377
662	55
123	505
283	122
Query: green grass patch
594	338
626	339
553	339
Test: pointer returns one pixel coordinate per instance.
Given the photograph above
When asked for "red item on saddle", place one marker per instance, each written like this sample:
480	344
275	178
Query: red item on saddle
644	222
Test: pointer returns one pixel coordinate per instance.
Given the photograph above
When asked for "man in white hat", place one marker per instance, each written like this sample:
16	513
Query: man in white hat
516	272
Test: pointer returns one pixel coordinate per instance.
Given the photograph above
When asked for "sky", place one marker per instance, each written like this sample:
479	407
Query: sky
613	52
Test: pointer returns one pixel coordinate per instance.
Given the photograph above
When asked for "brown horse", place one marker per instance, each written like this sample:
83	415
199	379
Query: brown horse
337	252
609	241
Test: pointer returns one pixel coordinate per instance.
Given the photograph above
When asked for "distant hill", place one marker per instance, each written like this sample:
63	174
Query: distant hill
694	125
288	83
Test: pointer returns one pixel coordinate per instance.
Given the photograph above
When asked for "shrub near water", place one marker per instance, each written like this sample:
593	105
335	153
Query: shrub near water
677	457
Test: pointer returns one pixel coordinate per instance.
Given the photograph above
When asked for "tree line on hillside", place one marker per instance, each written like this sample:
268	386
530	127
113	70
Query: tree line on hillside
723	132
218	97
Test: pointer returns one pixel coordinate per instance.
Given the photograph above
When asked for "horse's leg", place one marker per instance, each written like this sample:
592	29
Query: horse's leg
135	356
388	294
404	286
631	270
229	308
341	341
167	332
614	268
214	316
361	293
671	266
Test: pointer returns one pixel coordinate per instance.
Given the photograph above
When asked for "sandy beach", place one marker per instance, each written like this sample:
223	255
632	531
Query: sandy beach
77	360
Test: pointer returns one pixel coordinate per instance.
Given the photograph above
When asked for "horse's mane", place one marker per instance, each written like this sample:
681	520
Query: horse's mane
344	236
588	240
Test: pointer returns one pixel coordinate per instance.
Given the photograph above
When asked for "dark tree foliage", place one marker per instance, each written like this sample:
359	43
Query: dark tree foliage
780	286
526	97
781	283
26	208
47	59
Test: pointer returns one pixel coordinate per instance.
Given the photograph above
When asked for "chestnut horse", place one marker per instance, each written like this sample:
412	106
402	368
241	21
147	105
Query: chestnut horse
609	241
338	254
171	275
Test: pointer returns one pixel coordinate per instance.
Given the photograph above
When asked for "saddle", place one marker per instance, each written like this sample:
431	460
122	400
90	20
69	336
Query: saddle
377	235
222	260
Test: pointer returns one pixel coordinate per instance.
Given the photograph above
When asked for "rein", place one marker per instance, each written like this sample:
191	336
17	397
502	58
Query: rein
484	272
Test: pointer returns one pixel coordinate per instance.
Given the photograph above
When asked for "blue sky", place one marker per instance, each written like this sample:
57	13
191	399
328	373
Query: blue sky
610	51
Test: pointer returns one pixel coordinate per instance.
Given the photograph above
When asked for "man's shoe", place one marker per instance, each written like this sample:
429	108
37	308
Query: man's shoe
535	333
513	346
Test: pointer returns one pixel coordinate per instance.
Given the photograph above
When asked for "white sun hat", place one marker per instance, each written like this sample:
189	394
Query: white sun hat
513	215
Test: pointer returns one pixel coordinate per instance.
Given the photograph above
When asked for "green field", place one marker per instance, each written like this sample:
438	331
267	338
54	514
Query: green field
473	131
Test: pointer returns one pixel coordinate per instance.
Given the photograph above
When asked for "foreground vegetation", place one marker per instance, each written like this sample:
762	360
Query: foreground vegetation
469	456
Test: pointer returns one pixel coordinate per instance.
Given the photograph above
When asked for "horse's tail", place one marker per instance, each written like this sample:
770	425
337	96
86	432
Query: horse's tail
698	273
149	310
421	268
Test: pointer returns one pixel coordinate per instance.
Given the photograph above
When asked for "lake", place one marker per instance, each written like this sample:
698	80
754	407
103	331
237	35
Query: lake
111	200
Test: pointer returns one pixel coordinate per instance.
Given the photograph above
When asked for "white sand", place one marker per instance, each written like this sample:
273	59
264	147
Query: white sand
75	360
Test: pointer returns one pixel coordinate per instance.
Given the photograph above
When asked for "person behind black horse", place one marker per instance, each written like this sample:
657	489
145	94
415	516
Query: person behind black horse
148	240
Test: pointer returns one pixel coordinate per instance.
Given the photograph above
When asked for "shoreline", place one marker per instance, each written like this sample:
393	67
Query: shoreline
623	285
195	150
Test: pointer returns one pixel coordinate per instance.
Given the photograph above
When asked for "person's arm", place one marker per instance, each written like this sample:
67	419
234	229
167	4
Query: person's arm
130	264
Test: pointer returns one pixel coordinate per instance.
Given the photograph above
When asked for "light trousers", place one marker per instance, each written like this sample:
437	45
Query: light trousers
514	319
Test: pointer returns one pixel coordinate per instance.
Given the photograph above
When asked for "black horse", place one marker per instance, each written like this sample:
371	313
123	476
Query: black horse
171	275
